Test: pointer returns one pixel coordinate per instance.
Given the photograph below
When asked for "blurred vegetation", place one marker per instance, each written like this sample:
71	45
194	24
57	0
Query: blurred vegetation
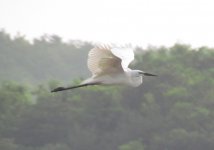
174	111
47	57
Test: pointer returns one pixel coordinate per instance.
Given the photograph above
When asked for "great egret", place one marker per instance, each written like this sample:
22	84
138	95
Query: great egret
109	66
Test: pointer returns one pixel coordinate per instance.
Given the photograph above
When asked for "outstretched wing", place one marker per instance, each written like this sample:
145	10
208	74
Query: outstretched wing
102	61
125	54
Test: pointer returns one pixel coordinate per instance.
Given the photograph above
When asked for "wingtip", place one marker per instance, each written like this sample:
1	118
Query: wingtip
103	46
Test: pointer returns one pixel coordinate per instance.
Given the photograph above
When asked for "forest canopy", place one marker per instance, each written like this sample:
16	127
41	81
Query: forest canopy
173	111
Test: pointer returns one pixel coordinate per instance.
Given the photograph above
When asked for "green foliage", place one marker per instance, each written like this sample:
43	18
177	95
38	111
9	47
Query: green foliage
55	147
133	145
13	99
172	111
44	59
7	144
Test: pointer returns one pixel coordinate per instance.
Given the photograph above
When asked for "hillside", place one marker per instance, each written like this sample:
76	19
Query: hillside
46	59
173	111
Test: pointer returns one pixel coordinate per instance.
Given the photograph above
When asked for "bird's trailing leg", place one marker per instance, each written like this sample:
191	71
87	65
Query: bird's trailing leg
148	74
73	87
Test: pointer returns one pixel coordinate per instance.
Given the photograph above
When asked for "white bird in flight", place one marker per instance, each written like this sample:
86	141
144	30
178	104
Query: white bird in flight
109	66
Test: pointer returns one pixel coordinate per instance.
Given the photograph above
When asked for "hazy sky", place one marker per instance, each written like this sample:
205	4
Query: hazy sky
139	22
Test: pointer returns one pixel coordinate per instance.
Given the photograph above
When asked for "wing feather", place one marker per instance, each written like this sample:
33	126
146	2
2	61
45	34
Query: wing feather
102	61
125	54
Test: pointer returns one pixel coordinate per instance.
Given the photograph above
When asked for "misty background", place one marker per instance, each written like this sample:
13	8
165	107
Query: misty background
139	22
44	44
172	111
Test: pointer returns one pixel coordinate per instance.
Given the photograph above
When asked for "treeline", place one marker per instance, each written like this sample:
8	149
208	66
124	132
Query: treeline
45	58
173	111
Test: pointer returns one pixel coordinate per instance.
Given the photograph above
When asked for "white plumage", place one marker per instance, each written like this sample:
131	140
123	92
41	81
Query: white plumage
109	66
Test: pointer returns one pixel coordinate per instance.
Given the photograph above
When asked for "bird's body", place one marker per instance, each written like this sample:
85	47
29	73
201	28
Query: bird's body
109	66
129	77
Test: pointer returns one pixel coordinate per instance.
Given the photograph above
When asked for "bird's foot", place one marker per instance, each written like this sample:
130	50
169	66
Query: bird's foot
58	89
